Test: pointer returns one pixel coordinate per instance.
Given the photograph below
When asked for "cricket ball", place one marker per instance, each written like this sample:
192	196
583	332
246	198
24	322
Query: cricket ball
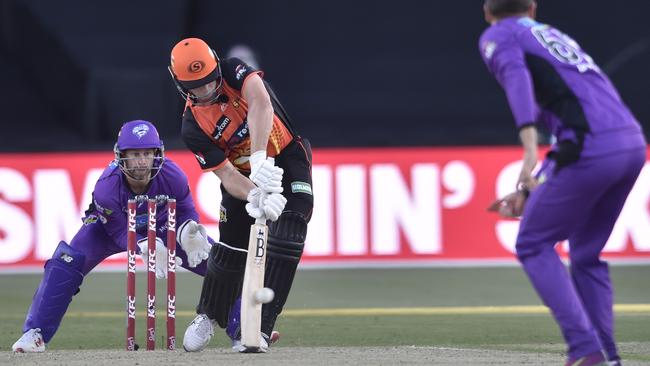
264	295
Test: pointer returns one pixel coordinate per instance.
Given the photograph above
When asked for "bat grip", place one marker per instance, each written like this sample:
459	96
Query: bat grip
263	195
262	220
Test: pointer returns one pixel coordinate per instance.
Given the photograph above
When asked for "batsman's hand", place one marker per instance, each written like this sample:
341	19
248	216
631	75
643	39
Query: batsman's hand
273	206
267	206
193	238
264	173
512	205
161	257
253	207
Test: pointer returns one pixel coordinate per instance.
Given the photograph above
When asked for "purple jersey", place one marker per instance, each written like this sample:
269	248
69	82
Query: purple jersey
112	193
549	79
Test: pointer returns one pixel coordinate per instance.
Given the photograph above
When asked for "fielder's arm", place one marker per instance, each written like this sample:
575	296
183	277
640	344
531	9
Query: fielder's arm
528	137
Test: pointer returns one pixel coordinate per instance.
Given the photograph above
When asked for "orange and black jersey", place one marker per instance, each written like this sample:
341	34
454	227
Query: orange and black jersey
219	132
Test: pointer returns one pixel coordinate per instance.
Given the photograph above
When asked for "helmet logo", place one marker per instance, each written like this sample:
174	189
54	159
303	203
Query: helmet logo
140	130
196	66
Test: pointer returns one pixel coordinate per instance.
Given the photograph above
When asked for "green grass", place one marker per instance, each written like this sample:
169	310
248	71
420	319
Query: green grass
85	328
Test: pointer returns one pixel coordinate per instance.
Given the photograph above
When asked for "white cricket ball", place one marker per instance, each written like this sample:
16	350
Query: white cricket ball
264	295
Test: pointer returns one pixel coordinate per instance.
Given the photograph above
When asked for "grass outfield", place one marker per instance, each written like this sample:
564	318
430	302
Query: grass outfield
478	308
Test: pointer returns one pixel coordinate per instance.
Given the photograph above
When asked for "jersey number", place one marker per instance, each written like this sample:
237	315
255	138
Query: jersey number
563	48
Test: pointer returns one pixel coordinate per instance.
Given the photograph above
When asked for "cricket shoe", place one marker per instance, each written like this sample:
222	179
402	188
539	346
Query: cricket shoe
265	342
592	359
198	333
615	363
30	342
233	330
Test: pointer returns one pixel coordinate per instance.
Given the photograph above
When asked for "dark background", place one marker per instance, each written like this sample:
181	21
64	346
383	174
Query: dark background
350	73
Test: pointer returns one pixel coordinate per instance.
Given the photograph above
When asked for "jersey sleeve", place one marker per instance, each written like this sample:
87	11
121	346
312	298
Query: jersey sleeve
112	218
235	72
505	60
209	156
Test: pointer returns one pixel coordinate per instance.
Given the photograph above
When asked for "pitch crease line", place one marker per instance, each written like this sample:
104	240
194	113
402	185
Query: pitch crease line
451	310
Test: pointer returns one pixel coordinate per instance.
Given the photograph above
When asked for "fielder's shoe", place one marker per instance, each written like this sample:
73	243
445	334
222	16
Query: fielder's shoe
615	363
31	341
593	359
198	333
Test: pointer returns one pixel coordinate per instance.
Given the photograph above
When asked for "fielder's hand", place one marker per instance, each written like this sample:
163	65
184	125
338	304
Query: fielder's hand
161	256
264	174
512	205
193	238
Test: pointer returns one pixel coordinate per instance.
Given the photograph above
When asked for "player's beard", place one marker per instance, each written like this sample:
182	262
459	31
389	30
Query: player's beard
141	174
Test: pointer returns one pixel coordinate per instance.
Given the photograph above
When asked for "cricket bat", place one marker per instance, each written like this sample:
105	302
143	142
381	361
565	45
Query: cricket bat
251	308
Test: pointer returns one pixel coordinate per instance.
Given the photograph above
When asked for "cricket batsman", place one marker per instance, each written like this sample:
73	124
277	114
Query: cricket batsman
583	182
234	124
140	167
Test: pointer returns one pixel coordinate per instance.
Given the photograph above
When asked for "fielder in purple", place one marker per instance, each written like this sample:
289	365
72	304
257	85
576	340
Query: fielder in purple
549	80
139	168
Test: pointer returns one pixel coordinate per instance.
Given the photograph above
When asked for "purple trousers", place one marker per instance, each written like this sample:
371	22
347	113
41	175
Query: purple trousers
51	300
93	241
579	202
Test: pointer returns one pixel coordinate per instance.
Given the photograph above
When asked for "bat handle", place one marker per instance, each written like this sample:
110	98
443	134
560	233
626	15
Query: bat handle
262	220
263	195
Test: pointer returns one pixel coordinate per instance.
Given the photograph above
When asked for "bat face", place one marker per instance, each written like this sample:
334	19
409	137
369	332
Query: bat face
251	309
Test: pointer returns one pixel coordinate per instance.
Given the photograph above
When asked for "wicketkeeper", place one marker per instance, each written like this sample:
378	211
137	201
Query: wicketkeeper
234	123
140	167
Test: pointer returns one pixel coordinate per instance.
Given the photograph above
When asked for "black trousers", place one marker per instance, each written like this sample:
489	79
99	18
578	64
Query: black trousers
296	161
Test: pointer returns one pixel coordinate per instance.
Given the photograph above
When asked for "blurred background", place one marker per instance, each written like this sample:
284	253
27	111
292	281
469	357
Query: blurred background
349	73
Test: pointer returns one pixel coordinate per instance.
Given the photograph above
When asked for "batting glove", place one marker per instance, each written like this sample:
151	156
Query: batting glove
273	206
253	206
264	174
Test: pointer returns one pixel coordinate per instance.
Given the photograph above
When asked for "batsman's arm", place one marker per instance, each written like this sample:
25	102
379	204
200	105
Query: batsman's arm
235	183
260	112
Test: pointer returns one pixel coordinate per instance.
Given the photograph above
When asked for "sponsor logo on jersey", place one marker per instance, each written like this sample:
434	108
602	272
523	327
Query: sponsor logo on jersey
488	49
221	125
240	71
240	134
223	214
200	158
90	219
301	187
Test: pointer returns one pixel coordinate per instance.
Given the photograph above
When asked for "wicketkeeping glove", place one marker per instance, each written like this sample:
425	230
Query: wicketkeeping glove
161	257
193	238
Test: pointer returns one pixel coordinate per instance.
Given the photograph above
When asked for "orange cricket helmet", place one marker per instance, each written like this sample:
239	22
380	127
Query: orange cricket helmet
193	64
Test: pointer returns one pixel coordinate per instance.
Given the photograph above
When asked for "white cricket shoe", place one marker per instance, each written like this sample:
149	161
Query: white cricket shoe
30	342
198	333
265	342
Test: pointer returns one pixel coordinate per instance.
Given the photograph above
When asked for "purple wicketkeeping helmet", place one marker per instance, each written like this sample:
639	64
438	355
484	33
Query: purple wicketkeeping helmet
139	134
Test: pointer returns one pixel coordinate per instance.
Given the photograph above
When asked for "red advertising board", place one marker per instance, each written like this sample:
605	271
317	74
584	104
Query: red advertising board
393	206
